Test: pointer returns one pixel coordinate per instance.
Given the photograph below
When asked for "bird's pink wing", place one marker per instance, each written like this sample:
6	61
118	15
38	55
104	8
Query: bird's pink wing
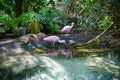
66	28
51	39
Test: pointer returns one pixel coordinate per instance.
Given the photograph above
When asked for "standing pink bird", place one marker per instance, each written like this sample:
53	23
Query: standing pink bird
53	39
67	28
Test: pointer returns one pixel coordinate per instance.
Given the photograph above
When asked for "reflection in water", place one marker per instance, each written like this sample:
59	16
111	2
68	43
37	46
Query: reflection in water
54	52
66	53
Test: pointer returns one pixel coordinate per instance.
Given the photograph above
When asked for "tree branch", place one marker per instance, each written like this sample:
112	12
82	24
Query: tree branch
94	39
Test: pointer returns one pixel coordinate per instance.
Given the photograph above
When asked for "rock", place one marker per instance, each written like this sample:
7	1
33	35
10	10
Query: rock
24	39
17	62
14	65
31	41
27	38
71	42
22	31
41	35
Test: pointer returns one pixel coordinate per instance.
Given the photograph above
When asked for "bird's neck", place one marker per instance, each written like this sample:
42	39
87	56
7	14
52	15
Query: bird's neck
71	25
60	41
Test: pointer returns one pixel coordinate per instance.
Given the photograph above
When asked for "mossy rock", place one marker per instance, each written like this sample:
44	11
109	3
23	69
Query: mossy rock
39	51
34	27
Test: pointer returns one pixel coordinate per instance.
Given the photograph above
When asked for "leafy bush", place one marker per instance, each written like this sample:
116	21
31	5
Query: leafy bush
11	23
2	30
46	17
45	13
26	17
54	28
90	13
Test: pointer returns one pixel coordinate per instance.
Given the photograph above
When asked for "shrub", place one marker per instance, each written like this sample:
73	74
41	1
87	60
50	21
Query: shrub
33	27
9	22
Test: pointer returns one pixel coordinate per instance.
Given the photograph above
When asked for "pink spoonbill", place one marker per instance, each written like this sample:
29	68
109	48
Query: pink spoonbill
67	28
53	40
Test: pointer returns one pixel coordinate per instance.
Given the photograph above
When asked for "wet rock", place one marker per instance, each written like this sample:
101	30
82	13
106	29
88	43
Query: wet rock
26	42
27	38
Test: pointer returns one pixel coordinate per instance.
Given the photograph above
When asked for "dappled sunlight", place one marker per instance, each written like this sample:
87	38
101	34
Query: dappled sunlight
104	64
47	68
17	50
6	41
17	63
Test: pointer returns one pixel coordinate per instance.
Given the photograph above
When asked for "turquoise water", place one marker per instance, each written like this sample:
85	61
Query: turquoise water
94	66
58	65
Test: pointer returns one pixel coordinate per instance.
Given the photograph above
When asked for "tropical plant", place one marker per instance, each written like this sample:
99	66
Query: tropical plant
25	18
46	17
54	28
10	22
88	12
2	30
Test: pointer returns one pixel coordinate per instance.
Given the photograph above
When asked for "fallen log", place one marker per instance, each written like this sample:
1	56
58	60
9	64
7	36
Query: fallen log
77	44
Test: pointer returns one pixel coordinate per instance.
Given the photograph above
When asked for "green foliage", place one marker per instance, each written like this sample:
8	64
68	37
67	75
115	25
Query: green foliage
2	30
47	16
26	17
94	14
7	6
90	13
41	10
103	24
36	5
10	22
53	28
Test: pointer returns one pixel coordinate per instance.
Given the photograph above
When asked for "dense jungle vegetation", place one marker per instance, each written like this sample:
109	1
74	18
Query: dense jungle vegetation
49	16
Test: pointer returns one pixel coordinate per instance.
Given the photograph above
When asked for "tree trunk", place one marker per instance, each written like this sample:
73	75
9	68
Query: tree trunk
18	7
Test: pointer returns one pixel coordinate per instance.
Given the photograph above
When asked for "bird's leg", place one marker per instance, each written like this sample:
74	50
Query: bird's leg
53	44
68	32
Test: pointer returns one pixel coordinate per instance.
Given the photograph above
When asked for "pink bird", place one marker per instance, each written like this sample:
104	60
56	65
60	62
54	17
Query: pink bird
67	28
53	39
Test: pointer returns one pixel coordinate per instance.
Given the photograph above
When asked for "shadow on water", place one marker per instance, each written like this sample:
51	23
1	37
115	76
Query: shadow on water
74	64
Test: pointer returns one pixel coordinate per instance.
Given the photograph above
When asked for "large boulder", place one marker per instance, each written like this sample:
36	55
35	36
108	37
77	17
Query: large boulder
35	67
22	31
